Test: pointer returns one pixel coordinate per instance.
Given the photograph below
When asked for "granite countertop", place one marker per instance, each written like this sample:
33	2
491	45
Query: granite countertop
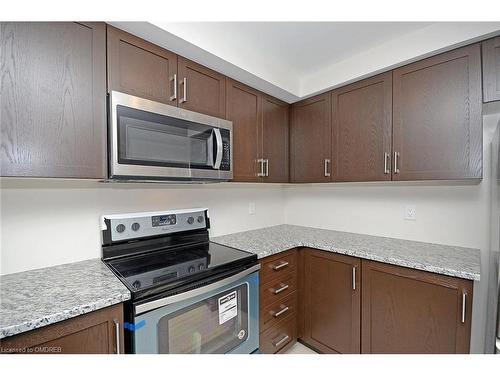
447	260
33	299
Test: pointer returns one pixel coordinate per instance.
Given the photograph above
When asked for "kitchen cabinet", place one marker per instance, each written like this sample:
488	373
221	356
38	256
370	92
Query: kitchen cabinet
311	140
362	130
53	99
331	299
278	302
275	139
98	332
201	89
411	311
491	69
437	117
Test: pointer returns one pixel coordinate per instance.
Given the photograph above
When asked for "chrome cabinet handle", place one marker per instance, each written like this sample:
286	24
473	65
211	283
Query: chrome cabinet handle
279	342
174	96
327	173
261	169
386	163
498	345
283	288
184	91
282	311
117	335
396	168
464	300
353	278
281	265
267	167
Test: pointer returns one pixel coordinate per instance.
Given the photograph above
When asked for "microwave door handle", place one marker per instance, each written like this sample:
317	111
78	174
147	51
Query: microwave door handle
218	156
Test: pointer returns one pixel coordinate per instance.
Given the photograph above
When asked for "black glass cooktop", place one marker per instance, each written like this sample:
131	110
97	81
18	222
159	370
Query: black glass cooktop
163	270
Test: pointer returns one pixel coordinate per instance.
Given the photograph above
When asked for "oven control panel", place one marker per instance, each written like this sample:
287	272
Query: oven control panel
126	227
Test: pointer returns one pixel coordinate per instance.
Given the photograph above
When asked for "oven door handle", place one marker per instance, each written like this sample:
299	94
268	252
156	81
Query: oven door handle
218	142
152	305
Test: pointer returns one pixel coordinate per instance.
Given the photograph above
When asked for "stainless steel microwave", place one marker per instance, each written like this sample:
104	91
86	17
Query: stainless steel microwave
155	141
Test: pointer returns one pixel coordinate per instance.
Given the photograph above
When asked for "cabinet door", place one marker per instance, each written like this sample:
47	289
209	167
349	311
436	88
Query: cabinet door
331	299
410	311
140	68
92	333
53	99
362	130
275	125
244	109
491	70
311	140
201	89
437	117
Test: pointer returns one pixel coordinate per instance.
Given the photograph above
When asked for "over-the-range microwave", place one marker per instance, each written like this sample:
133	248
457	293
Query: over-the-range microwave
155	141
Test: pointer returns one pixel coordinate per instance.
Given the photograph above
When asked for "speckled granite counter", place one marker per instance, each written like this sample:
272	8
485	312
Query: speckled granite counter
37	298
447	260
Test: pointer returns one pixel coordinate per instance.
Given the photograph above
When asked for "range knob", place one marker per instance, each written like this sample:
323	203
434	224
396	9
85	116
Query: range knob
135	227
201	266
190	220
191	269
120	228
136	284
200	219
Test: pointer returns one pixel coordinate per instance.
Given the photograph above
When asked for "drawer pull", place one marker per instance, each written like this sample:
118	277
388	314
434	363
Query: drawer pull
283	288
281	341
280	266
464	302
282	311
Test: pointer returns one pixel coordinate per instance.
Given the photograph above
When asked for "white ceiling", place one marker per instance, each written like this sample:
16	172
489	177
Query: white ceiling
293	60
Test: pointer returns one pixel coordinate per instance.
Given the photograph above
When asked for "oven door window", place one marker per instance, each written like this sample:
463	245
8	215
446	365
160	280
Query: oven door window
150	139
217	324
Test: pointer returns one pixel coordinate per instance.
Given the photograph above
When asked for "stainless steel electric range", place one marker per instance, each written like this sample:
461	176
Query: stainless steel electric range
189	295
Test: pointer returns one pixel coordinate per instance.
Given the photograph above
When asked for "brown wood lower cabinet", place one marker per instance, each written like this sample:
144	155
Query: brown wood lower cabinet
92	333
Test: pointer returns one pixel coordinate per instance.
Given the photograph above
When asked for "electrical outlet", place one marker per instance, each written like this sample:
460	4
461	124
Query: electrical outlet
410	212
251	208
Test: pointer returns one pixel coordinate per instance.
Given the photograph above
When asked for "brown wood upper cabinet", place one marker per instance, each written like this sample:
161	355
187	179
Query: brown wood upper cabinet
200	89
491	69
437	123
53	99
98	332
260	134
331	297
311	140
140	68
362	130
411	311
143	69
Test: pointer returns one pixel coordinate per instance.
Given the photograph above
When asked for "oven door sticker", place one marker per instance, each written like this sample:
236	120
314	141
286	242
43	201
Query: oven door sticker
228	307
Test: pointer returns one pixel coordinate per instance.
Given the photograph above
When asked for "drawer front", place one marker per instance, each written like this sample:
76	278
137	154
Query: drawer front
276	289
278	311
279	336
277	265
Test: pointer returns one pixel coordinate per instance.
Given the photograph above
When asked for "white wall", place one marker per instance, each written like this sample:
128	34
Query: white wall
451	215
44	223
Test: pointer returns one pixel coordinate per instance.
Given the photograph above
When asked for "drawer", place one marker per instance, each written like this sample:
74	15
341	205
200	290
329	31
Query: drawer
278	311
276	289
278	264
279	336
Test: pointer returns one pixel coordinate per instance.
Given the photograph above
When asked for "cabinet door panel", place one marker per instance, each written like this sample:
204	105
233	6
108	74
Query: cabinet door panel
311	139
275	124
437	117
409	311
53	99
205	89
244	109
140	68
362	130
491	70
331	302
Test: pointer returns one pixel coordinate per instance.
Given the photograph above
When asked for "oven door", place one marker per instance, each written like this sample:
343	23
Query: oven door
222	317
158	141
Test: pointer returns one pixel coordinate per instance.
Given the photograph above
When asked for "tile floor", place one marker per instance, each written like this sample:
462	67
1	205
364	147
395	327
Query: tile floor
298	348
